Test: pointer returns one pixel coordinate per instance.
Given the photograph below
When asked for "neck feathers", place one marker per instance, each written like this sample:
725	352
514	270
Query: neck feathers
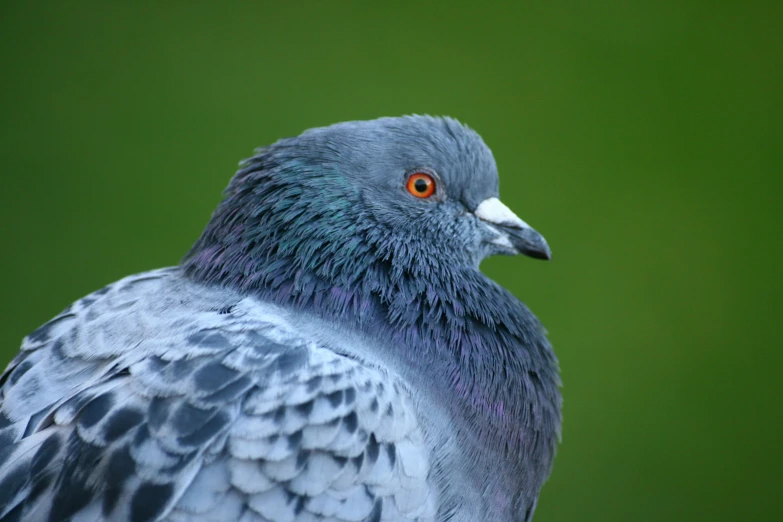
311	254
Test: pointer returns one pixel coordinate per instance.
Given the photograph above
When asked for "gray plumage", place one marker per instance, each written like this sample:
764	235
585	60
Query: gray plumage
327	351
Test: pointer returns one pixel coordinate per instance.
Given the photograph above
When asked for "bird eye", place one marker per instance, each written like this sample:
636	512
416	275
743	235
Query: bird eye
421	185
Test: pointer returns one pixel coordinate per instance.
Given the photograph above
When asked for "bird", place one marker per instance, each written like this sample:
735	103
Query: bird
328	350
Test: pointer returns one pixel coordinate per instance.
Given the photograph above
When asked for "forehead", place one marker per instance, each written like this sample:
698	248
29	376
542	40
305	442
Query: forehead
392	146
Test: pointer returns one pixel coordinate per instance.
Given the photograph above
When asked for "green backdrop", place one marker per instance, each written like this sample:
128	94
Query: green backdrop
644	139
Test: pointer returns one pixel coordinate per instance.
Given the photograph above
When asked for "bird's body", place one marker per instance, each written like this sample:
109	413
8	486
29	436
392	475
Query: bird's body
310	360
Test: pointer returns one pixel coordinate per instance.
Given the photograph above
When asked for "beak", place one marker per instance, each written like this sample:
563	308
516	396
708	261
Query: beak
514	236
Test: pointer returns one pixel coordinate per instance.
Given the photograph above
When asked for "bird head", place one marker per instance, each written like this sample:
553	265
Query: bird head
413	191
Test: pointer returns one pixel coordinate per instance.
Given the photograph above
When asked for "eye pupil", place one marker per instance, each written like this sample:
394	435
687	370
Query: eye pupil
420	185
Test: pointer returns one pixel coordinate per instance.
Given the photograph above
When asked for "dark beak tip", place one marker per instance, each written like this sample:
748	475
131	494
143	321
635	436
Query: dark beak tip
544	254
531	243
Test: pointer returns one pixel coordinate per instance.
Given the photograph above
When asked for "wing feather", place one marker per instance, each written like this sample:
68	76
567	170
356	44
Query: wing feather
147	401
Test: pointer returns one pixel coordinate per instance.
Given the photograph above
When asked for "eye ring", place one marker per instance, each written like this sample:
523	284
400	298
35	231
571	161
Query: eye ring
421	185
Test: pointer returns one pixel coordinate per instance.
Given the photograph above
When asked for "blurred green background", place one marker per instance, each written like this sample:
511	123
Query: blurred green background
644	139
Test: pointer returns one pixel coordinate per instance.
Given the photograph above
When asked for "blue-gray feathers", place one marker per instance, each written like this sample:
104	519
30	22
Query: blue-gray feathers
328	350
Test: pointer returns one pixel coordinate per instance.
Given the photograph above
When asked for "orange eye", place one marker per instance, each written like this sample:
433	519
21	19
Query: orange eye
421	185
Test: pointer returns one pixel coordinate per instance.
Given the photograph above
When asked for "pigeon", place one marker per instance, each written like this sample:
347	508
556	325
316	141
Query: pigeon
328	350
